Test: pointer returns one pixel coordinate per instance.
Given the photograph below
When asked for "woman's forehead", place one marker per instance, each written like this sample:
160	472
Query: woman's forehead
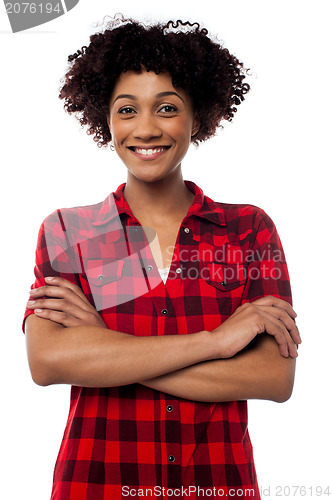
145	83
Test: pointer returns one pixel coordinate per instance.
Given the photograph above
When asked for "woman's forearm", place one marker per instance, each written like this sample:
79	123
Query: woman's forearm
99	357
258	372
94	356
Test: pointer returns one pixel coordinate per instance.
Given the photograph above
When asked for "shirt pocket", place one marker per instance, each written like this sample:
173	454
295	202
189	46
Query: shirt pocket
223	287
101	281
225	277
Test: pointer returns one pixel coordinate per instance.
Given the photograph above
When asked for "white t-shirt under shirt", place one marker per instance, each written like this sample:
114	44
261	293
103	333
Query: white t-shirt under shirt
164	273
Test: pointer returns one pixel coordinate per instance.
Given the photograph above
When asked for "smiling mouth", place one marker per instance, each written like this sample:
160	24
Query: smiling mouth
149	152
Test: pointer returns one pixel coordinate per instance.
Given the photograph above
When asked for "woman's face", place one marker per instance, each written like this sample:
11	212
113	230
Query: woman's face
151	123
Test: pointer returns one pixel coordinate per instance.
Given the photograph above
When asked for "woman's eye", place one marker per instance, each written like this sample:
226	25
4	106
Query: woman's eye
126	111
168	109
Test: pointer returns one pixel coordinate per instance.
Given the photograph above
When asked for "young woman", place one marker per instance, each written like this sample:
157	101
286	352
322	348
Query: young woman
163	309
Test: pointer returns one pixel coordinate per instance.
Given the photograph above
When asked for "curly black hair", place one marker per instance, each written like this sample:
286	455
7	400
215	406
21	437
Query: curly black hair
212	77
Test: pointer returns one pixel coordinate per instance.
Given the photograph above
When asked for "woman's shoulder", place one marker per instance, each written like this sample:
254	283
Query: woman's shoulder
244	214
248	223
74	216
74	222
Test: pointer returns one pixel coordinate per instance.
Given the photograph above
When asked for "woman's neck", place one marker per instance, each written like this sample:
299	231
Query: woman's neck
157	203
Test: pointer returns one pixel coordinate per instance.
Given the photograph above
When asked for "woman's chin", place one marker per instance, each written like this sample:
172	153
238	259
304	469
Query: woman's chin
149	177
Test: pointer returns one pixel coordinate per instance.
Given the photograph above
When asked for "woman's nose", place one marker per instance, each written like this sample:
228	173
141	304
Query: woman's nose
146	127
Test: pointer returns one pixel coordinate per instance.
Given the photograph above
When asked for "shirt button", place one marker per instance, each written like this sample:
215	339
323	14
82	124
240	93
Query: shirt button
149	268
135	228
171	458
186	229
164	311
178	270
100	277
169	408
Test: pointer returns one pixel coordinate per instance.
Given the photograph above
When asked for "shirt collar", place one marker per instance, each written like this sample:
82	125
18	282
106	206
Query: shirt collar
202	206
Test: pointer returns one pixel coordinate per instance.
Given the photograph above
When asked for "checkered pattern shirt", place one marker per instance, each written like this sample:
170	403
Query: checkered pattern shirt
133	436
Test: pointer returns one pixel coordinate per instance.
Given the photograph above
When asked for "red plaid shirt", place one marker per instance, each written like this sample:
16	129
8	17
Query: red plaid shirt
133	436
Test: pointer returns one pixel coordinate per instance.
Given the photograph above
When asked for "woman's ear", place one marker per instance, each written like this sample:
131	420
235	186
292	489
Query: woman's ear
109	126
196	125
108	122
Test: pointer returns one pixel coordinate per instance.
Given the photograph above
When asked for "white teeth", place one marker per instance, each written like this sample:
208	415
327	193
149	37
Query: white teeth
148	152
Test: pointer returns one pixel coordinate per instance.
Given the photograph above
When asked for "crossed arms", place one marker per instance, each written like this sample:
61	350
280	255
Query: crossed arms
250	356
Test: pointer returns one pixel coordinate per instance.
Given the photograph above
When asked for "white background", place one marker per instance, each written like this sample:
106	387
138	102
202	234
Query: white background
275	155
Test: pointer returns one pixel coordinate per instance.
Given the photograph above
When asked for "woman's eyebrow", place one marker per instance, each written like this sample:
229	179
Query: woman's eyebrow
161	94
125	96
165	94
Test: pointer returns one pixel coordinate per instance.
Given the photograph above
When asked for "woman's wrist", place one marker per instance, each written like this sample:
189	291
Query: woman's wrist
209	345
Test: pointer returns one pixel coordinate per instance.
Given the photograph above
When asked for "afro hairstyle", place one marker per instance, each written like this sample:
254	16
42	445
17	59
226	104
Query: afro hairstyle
212	77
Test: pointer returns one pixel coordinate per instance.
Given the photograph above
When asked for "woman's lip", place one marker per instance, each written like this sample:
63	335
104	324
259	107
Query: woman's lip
152	156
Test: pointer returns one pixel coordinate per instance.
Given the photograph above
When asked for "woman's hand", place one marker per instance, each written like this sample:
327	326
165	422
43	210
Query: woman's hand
268	314
65	303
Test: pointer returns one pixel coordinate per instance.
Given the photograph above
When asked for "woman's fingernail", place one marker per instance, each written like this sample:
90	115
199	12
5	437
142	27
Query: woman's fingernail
50	278
38	310
31	302
31	292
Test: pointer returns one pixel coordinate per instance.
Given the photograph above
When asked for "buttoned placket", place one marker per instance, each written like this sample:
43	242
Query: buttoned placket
172	412
164	297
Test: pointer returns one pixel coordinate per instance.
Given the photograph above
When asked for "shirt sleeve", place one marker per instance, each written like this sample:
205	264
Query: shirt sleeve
54	255
267	272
